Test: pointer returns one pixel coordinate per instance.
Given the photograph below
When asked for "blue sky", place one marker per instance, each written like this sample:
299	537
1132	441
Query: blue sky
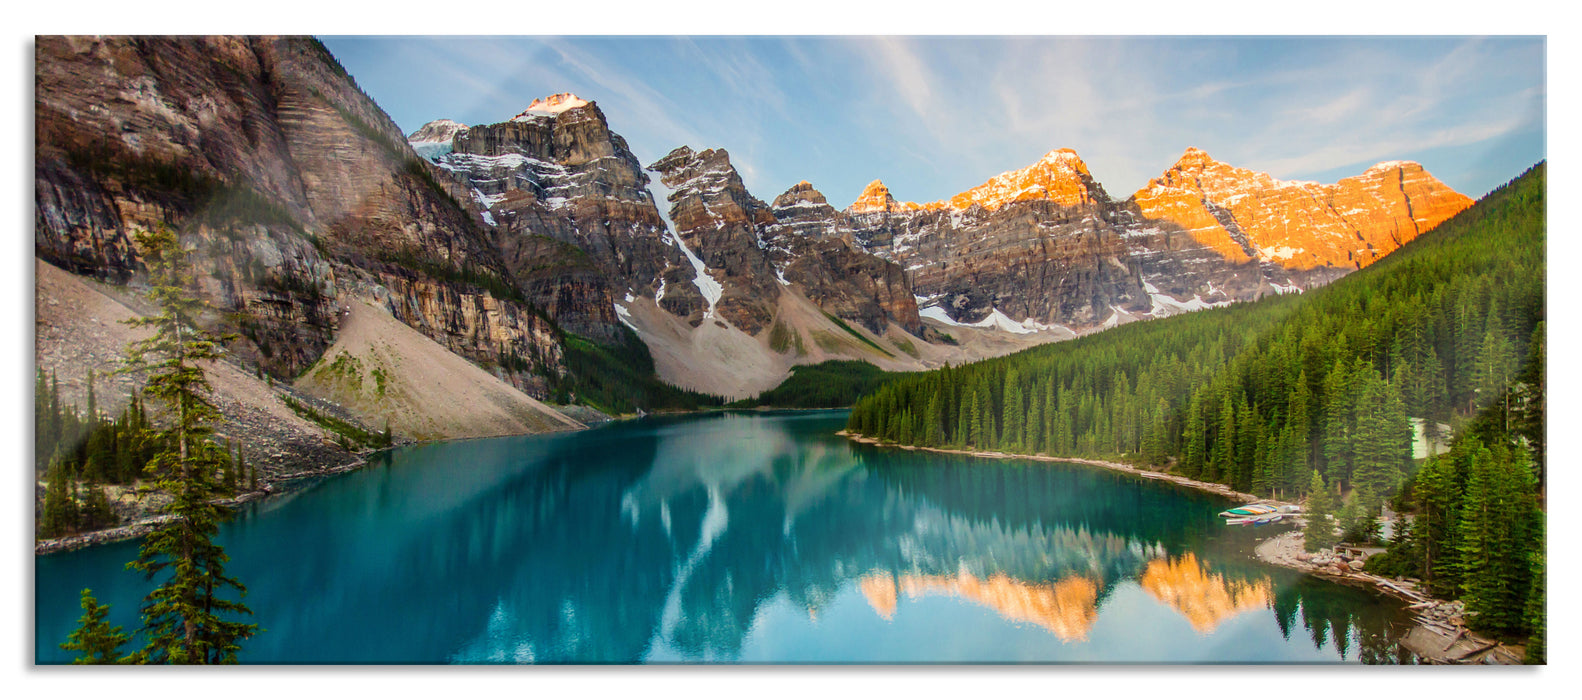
932	116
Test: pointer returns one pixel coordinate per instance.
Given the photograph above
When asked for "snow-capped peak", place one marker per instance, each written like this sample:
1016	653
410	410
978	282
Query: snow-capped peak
437	131
552	105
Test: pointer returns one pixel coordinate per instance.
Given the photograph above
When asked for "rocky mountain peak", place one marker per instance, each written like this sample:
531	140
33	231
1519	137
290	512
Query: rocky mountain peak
551	106
1193	157
874	198
437	131
1060	176
802	193
1389	165
1065	157
1246	215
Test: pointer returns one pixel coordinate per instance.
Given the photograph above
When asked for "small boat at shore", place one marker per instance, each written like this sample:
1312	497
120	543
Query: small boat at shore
1251	510
1264	519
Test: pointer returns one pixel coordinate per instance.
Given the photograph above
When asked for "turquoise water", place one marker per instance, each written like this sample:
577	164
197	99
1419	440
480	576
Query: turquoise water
746	538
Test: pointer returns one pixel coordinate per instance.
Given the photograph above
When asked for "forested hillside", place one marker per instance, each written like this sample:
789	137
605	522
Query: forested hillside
1263	395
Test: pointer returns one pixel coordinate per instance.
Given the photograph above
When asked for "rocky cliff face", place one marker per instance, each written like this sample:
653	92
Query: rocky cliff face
1035	244
811	245
556	174
717	223
294	190
753	249
1045	245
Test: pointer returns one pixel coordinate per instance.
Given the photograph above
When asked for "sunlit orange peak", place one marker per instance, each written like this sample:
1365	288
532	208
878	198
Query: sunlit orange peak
1205	599
552	105
1067	608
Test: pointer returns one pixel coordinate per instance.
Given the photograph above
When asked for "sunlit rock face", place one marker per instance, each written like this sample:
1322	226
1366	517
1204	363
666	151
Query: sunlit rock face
1205	599
1067	608
1246	215
1036	243
1046	244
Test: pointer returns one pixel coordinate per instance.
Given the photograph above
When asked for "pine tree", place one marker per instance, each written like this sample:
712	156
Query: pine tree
228	469
95	640
1536	615
1320	531
1499	523
60	506
1337	424
1436	495
1349	518
1382	442
933	435
96	511
187	619
1013	414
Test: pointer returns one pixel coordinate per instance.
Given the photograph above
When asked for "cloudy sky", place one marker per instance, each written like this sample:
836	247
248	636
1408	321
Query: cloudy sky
933	116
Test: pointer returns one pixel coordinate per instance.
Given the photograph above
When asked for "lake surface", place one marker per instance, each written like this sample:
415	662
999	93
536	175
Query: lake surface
746	538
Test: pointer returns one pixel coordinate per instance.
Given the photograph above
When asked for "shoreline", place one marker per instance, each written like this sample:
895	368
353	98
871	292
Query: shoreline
1440	635
143	526
1206	486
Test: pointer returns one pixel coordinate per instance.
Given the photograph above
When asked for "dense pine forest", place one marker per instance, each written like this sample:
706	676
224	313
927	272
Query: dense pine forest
1325	391
828	384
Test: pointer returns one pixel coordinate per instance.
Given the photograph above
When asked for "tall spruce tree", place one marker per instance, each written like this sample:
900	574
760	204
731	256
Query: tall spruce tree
188	618
1320	530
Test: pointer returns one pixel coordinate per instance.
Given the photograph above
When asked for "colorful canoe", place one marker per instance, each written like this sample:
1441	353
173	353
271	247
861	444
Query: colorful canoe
1249	510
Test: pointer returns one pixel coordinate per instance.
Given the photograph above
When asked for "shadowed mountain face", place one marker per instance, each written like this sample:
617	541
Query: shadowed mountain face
293	190
749	538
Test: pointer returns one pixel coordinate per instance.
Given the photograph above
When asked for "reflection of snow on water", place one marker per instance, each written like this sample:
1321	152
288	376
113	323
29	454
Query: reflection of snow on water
499	643
715	519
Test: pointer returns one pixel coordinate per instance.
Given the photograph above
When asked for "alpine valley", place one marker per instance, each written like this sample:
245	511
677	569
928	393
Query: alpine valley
533	275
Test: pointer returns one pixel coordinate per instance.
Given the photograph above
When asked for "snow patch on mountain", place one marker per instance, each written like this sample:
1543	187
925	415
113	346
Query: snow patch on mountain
710	288
995	320
1166	305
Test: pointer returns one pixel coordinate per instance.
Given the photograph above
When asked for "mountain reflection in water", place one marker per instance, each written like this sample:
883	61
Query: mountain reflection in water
748	538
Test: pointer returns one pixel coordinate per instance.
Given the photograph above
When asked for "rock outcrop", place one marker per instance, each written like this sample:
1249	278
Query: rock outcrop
293	190
717	223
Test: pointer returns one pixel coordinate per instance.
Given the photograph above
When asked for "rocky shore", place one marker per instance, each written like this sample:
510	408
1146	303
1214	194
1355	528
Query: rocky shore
1440	635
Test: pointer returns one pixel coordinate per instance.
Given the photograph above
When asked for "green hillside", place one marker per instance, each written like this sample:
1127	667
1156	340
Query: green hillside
829	384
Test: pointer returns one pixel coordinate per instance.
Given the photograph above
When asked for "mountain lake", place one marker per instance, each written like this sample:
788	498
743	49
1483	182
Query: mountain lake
745	538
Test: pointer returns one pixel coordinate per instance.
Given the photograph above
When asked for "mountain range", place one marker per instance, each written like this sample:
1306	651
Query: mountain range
536	248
